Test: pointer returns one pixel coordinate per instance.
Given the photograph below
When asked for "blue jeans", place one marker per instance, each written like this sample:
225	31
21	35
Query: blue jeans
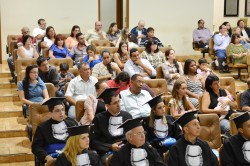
11	66
221	54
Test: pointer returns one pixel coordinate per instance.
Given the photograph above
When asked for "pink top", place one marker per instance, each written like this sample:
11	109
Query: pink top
113	84
70	42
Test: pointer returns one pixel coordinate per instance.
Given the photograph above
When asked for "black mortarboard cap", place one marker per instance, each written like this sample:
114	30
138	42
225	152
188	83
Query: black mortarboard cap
241	119
129	124
53	101
107	94
77	130
185	118
155	100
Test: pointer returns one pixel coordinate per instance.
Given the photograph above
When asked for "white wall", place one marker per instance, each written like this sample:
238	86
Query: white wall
173	21
62	15
108	13
219	14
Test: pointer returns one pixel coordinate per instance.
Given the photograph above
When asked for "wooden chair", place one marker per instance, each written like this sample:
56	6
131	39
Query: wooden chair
166	99
112	50
21	64
202	50
101	43
45	52
11	43
74	71
165	156
79	110
164	49
157	85
108	159
140	49
238	100
159	72
57	61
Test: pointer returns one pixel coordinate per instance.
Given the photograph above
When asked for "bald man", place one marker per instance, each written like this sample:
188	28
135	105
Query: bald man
140	31
95	34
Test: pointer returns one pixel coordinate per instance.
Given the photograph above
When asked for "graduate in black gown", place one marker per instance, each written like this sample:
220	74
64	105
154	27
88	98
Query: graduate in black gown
236	149
105	135
76	149
52	134
159	126
136	152
190	150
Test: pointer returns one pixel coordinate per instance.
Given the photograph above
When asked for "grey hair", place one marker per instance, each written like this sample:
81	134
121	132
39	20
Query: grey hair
128	133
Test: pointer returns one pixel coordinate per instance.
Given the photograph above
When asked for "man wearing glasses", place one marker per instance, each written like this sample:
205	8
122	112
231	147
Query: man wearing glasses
95	34
136	151
201	35
106	137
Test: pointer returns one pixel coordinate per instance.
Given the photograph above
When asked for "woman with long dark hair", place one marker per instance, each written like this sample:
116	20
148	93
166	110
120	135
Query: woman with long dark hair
153	54
172	70
71	40
106	69
28	50
122	55
49	38
32	89
113	33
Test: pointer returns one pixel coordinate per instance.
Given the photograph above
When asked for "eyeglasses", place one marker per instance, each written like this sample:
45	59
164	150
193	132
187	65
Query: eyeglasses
143	133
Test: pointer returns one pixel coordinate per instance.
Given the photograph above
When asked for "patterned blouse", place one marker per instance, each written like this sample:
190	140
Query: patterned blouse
179	107
156	59
234	49
169	69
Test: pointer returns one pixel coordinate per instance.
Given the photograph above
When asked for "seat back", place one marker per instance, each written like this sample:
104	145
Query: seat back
45	52
238	98
166	156
74	71
159	72
21	64
79	110
11	38
228	83
108	159
38	114
166	99
101	43
233	129
164	49
57	61
210	129
66	86
13	46
140	49
51	89
112	50
211	47
157	85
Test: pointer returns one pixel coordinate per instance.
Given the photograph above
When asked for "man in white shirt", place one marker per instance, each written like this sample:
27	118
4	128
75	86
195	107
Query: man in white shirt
137	65
95	34
39	32
80	87
133	99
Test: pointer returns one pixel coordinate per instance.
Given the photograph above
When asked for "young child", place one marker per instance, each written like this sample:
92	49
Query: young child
64	77
203	69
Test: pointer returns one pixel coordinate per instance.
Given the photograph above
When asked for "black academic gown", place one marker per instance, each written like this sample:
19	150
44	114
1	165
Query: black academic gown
172	130
92	156
123	157
233	153
184	153
101	132
45	136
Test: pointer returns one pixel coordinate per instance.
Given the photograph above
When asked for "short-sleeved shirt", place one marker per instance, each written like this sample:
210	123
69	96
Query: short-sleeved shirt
179	106
101	70
59	53
155	60
93	35
35	90
78	53
92	63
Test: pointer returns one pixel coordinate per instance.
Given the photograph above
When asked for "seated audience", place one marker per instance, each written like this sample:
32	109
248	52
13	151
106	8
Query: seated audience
235	149
64	76
28	50
80	87
229	29
122	55
80	50
180	103
92	59
39	32
150	36
32	89
139	31
122	81
123	37
76	151
245	31
221	41
132	41
106	136
58	49
132	99
201	35
25	31
172	70
95	34
51	135
46	72
236	52
92	105
210	101
204	69
245	98
243	41
195	82
137	65
190	149
71	40
159	126
106	69
136	151
49	38
153	54
113	34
